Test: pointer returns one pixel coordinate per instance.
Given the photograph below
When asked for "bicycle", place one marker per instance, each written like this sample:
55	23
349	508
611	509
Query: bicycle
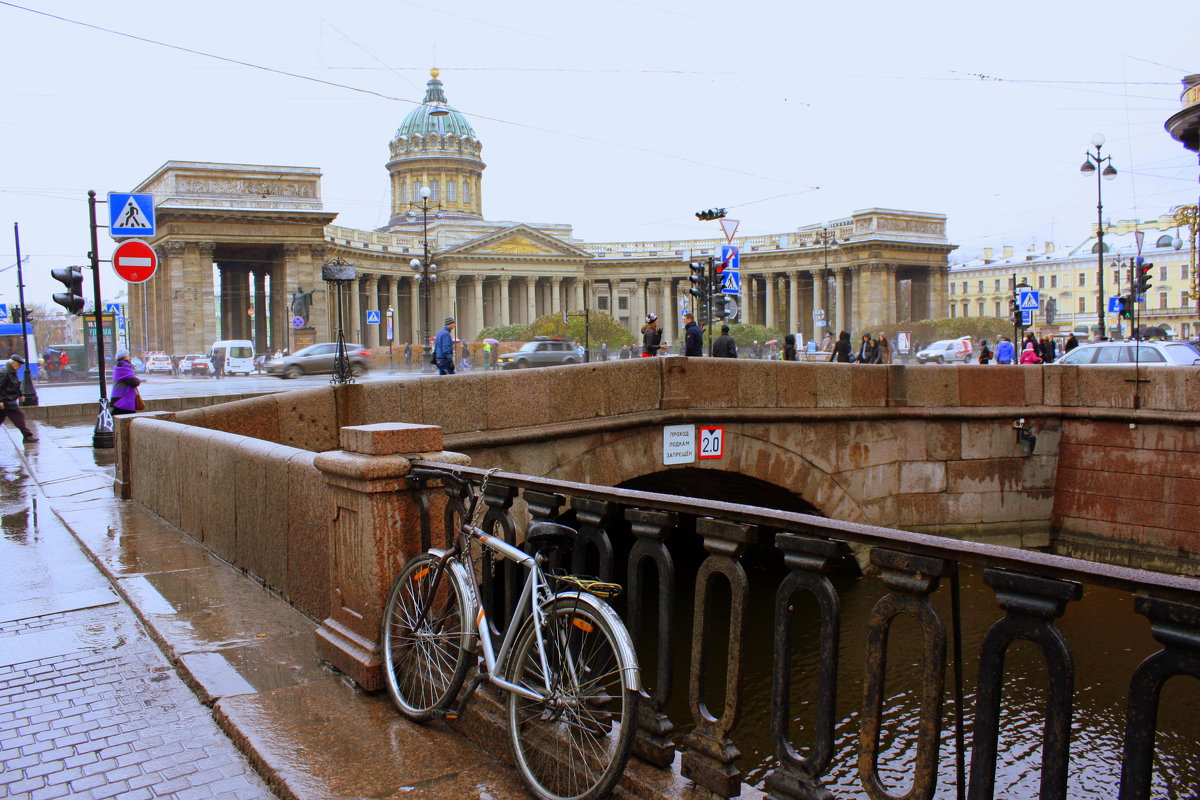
565	660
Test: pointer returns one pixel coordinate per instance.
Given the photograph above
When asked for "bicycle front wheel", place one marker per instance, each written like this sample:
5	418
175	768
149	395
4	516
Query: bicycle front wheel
573	745
426	638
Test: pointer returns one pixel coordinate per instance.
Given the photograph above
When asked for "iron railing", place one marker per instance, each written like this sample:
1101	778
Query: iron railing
1032	589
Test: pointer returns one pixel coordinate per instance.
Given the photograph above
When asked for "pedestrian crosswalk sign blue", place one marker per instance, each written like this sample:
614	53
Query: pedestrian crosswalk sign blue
3	310
112	308
130	214
372	317
732	283
1028	301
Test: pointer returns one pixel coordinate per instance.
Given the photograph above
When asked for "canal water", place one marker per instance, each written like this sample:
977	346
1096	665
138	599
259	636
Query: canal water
1107	640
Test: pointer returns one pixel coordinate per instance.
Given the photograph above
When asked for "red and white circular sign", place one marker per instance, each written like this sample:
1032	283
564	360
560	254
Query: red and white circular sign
134	261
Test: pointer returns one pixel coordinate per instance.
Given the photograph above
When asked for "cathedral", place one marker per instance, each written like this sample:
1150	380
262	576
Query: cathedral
257	242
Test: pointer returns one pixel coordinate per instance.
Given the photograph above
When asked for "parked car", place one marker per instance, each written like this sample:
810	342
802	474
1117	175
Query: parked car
1148	354
541	352
947	351
158	362
318	358
194	364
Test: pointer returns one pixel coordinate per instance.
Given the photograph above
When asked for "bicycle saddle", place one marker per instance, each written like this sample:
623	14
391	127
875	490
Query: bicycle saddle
549	534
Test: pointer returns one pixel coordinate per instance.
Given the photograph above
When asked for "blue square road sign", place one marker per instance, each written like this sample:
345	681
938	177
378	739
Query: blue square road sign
130	214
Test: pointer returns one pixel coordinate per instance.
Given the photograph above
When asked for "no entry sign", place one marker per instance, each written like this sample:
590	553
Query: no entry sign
134	261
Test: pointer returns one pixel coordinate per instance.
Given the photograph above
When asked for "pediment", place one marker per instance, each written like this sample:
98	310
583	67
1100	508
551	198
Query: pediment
519	240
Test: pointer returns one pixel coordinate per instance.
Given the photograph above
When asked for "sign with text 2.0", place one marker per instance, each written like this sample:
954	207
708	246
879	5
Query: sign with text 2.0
712	442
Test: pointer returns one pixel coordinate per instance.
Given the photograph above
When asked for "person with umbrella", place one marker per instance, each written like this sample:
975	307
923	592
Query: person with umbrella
489	353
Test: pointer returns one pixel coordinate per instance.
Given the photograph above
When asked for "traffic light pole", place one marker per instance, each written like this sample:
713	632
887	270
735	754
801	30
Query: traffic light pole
102	435
28	393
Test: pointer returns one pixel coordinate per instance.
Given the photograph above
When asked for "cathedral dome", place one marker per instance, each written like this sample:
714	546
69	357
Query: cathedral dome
422	122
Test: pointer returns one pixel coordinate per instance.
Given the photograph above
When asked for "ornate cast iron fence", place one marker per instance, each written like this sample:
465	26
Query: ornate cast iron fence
1031	589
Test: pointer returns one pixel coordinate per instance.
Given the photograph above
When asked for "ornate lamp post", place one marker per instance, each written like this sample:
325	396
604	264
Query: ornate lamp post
1093	164
340	273
826	238
426	273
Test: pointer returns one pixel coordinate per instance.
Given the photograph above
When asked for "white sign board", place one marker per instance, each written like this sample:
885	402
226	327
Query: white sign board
679	444
904	341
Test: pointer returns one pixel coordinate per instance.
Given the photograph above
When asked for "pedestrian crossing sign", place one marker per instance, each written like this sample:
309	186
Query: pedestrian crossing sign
732	284
1028	301
3	310
130	214
372	317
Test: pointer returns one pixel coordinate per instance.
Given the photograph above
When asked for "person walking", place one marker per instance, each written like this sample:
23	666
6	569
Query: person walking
841	350
1004	351
443	348
651	337
827	342
125	381
789	347
1072	343
1049	350
885	350
693	336
218	363
10	396
625	353
868	351
758	351
604	351
408	356
985	355
724	345
1030	355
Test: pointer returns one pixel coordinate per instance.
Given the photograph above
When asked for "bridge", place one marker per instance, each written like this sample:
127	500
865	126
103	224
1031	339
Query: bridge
913	471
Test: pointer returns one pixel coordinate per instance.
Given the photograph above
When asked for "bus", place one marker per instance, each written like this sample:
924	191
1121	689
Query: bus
10	344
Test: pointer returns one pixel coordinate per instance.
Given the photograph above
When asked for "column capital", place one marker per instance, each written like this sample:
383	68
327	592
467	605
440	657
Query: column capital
171	248
206	247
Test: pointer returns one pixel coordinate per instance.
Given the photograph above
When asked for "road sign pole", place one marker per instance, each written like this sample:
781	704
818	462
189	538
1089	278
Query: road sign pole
102	435
28	393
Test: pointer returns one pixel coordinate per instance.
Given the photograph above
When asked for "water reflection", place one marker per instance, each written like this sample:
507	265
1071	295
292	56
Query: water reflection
1107	640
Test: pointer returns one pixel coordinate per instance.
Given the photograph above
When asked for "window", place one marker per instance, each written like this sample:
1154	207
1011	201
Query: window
466	192
981	287
953	311
1162	299
434	194
1116	277
997	285
1083	279
451	186
966	309
1162	274
1053	281
602	302
1041	281
1183	299
981	308
1165	241
1183	272
952	288
623	302
1082	305
997	308
964	287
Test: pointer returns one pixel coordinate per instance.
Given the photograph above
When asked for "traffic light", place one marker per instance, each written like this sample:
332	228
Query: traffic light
725	306
1015	308
711	213
1126	311
698	279
72	278
1143	278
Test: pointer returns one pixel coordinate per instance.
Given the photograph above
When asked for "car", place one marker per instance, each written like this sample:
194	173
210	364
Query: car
318	358
1148	354
946	351
158	362
541	352
194	364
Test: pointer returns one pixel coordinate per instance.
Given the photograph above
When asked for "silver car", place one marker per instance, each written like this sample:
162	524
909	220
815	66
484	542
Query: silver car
1148	354
541	352
319	358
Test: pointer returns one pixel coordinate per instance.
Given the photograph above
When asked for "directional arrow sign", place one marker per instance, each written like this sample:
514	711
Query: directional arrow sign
1027	301
1114	305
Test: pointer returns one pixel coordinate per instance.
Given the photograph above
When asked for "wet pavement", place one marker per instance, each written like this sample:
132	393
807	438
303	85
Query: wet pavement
134	663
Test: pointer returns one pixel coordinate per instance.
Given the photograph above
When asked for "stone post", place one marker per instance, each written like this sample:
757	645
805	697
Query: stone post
374	528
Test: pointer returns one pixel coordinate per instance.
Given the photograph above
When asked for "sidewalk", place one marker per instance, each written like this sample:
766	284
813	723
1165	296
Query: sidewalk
247	655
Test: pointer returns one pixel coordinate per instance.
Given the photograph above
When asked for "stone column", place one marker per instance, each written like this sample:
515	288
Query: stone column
530	299
477	296
371	282
577	291
415	311
260	311
839	292
556	303
637	306
793	305
504	300
770	316
374	523
818	300
889	294
308	264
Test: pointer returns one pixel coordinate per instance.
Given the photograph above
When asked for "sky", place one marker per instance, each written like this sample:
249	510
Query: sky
620	118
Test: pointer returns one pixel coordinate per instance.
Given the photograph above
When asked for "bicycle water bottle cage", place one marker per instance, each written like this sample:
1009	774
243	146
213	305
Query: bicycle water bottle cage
602	589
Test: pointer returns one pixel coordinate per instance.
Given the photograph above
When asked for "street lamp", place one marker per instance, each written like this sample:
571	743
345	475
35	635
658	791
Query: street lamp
826	238
28	393
426	273
1093	164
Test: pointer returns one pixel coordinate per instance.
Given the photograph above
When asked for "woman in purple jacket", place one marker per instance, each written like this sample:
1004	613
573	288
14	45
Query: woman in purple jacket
125	383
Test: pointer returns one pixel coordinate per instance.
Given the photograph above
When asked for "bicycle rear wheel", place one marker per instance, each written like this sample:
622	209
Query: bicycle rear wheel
575	744
427	638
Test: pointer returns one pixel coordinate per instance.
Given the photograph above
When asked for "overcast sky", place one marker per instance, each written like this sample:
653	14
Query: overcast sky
621	118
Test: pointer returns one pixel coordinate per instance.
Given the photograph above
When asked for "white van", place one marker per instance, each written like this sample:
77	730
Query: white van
239	355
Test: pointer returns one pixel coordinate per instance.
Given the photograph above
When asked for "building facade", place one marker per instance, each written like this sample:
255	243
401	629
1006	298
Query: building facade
1067	280
250	241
